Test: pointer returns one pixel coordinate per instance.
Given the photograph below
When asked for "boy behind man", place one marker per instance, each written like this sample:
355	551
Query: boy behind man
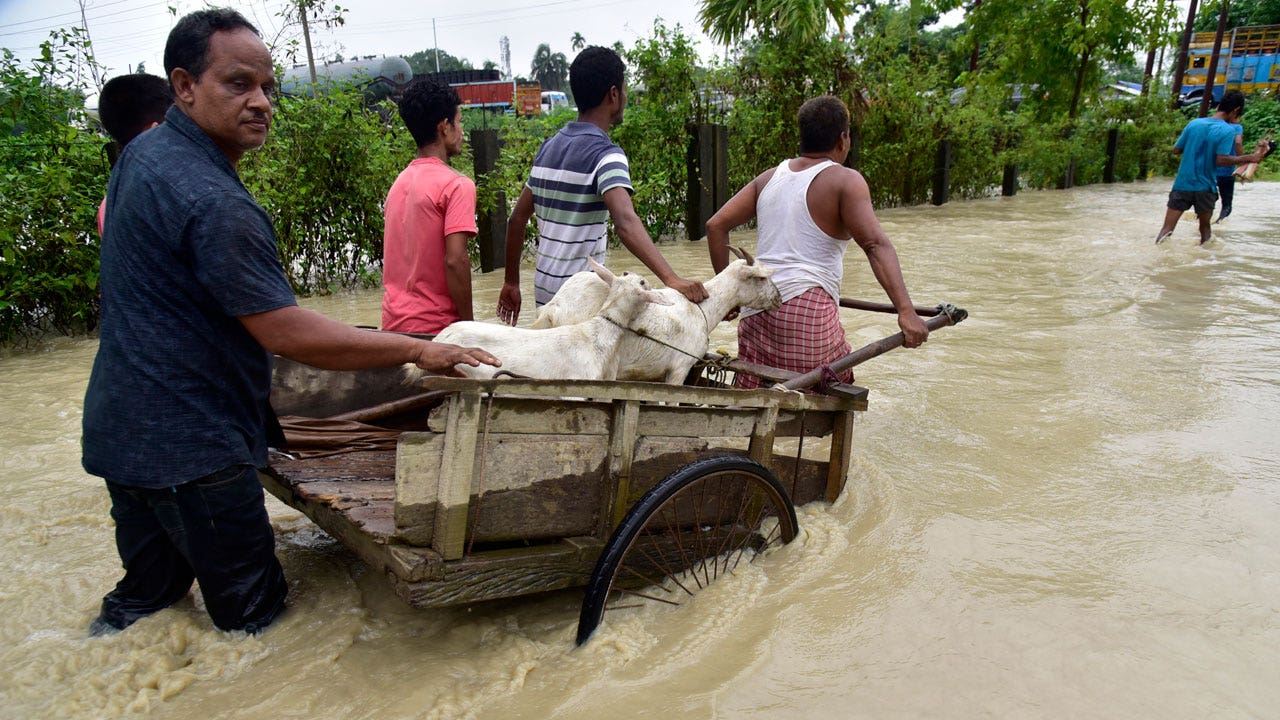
579	180
430	217
128	106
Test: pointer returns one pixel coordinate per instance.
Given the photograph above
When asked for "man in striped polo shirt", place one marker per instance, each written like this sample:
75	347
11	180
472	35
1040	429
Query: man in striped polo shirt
579	180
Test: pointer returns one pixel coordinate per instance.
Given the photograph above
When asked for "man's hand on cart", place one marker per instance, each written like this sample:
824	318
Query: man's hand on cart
440	358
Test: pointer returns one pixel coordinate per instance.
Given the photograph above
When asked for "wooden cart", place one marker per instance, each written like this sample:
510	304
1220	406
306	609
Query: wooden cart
483	489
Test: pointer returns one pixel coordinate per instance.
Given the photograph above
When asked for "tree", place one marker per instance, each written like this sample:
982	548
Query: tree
728	21
577	42
551	70
1057	46
424	61
1239	14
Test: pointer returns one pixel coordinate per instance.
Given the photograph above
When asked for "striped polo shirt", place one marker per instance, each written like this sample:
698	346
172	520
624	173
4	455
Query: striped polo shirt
571	173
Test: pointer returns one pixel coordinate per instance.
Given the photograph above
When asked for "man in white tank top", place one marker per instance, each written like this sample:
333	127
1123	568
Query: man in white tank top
808	208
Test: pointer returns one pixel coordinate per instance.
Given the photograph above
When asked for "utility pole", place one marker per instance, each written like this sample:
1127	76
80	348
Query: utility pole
436	43
306	37
93	66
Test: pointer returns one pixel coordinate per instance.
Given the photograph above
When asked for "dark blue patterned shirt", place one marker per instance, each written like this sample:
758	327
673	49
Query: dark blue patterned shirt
179	388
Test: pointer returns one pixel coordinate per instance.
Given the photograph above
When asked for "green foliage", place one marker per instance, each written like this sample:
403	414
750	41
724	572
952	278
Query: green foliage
322	177
1239	14
655	135
53	174
802	21
424	61
1060	47
550	69
767	84
1262	119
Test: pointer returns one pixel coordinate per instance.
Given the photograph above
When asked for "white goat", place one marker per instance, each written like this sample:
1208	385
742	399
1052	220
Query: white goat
666	341
587	350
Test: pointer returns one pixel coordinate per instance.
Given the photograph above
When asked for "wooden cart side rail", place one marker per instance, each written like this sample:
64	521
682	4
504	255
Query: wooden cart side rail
643	392
522	415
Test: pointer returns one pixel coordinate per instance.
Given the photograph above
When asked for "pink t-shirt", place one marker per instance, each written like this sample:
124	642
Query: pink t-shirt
428	201
102	216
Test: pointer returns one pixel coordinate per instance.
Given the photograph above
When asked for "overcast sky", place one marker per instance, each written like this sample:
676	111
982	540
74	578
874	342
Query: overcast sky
128	32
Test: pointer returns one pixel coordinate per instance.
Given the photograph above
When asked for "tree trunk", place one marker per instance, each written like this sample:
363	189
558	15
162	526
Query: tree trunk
1181	66
1084	61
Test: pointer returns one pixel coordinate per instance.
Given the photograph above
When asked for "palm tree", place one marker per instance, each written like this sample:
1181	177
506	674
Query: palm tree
551	70
728	21
577	42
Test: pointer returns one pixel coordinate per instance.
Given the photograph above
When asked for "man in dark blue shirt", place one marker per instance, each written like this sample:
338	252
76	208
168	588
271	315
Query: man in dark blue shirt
194	304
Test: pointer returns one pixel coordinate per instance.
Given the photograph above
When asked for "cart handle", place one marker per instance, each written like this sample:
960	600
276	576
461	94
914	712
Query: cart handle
943	316
886	307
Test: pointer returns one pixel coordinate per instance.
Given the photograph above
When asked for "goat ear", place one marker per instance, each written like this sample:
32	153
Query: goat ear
601	271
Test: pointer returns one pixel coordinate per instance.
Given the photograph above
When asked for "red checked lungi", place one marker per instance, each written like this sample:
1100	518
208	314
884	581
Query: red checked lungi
803	334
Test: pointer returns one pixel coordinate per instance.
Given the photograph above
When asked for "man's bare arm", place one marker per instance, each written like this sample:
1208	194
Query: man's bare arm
1258	155
509	296
457	273
633	235
740	209
860	220
311	338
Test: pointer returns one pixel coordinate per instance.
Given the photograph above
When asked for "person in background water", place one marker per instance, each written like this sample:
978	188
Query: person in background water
431	216
1205	144
194	304
128	106
579	180
807	209
1226	174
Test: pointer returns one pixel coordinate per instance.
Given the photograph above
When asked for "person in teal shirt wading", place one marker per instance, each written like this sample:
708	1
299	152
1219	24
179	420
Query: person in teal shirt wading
1205	144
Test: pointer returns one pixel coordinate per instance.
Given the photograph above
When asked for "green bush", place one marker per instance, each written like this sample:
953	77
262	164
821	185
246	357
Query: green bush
655	135
323	176
53	174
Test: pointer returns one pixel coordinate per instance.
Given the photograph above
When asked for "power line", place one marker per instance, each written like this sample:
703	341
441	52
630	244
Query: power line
50	17
94	19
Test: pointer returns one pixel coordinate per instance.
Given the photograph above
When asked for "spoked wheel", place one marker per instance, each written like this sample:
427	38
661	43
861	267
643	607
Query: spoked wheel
698	523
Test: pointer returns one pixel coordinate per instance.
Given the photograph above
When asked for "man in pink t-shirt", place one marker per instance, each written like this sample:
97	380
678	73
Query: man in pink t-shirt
431	216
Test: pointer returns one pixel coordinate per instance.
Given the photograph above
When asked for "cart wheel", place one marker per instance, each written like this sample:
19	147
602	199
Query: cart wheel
696	524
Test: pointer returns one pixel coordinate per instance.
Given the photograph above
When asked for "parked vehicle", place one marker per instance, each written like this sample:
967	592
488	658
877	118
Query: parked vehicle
553	99
1248	61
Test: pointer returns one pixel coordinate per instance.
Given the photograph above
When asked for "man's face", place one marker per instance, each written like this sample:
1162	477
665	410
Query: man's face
453	133
231	100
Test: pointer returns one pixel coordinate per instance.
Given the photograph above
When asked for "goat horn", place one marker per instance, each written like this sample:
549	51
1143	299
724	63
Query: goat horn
743	254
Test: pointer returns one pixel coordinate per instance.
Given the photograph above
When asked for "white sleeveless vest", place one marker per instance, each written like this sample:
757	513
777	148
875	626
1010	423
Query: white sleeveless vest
801	254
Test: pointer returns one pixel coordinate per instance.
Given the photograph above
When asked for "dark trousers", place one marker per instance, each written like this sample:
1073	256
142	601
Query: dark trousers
1226	188
215	530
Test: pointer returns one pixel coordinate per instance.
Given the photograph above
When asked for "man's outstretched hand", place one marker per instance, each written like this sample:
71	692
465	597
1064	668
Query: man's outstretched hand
440	358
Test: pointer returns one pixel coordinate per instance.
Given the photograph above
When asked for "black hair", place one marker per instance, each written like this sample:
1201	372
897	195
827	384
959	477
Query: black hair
129	104
188	43
424	104
822	120
593	72
1231	100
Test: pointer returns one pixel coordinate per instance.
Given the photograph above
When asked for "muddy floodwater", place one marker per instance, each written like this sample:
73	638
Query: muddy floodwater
1067	506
